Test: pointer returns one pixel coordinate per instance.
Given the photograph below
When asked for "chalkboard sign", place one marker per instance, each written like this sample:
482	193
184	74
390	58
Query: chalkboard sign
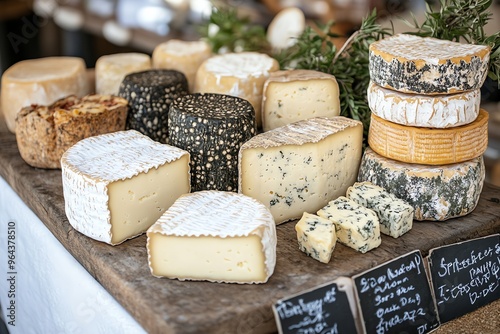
324	310
465	276
395	297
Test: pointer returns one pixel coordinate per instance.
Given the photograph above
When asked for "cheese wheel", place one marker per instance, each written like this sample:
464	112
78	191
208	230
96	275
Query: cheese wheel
111	69
436	193
425	65
427	145
41	81
432	111
182	56
285	27
237	74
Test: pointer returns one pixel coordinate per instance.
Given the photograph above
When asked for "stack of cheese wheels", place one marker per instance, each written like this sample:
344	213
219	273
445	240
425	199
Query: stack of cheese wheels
427	133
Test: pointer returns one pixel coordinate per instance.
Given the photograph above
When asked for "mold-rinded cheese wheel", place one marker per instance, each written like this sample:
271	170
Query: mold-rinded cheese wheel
285	27
110	70
41	81
214	236
294	95
117	185
212	128
316	237
237	74
429	146
44	133
426	65
182	56
436	193
431	111
301	166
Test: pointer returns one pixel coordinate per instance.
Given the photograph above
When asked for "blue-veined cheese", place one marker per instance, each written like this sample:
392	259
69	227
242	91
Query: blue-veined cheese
316	236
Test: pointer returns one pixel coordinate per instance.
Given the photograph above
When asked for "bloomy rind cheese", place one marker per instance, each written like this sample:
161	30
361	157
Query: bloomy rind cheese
425	65
316	237
436	193
429	146
431	111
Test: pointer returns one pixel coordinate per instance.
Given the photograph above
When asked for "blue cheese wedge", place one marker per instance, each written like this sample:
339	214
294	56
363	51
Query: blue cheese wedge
316	237
395	215
356	226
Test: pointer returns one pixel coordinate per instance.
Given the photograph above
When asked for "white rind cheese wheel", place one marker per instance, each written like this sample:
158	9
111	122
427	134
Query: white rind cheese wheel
429	146
41	81
424	65
117	185
295	95
436	193
285	27
214	236
431	111
110	70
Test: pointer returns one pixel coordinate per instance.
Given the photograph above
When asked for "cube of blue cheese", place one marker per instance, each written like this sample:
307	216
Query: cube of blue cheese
356	226
394	214
316	237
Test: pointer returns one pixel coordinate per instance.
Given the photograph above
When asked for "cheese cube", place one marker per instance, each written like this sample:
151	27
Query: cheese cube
215	236
395	215
117	185
356	226
316	237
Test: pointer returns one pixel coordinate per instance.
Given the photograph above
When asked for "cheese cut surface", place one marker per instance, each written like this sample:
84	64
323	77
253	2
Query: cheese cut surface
356	226
429	145
237	74
214	236
425	65
294	95
316	237
432	111
395	215
117	185
41	81
436	193
302	166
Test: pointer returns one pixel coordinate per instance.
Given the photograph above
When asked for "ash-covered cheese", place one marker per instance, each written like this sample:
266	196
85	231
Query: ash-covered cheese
425	65
431	111
212	128
294	95
356	226
316	236
436	193
395	215
117	185
214	236
302	166
150	94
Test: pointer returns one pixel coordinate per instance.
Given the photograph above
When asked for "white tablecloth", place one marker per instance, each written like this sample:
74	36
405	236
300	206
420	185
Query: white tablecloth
53	292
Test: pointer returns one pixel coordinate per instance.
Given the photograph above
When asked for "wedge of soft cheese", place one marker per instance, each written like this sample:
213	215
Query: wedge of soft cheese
214	236
316	236
117	185
302	166
356	226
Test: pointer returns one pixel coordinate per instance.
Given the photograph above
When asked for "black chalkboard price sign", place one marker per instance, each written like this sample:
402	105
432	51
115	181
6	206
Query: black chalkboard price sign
395	297
465	276
322	310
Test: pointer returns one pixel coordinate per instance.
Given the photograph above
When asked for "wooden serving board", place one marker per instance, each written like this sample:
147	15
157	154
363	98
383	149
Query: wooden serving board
165	306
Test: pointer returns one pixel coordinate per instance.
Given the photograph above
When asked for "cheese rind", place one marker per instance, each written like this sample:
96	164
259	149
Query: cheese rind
302	166
117	185
356	226
395	215
429	146
285	27
436	193
316	237
442	111
214	236
294	95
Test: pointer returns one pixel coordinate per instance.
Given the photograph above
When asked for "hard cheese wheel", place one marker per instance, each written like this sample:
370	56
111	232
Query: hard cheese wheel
427	145
432	111
41	81
436	192
425	65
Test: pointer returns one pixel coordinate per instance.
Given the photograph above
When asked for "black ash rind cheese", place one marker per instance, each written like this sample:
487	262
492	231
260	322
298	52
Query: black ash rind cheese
150	94
211	127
